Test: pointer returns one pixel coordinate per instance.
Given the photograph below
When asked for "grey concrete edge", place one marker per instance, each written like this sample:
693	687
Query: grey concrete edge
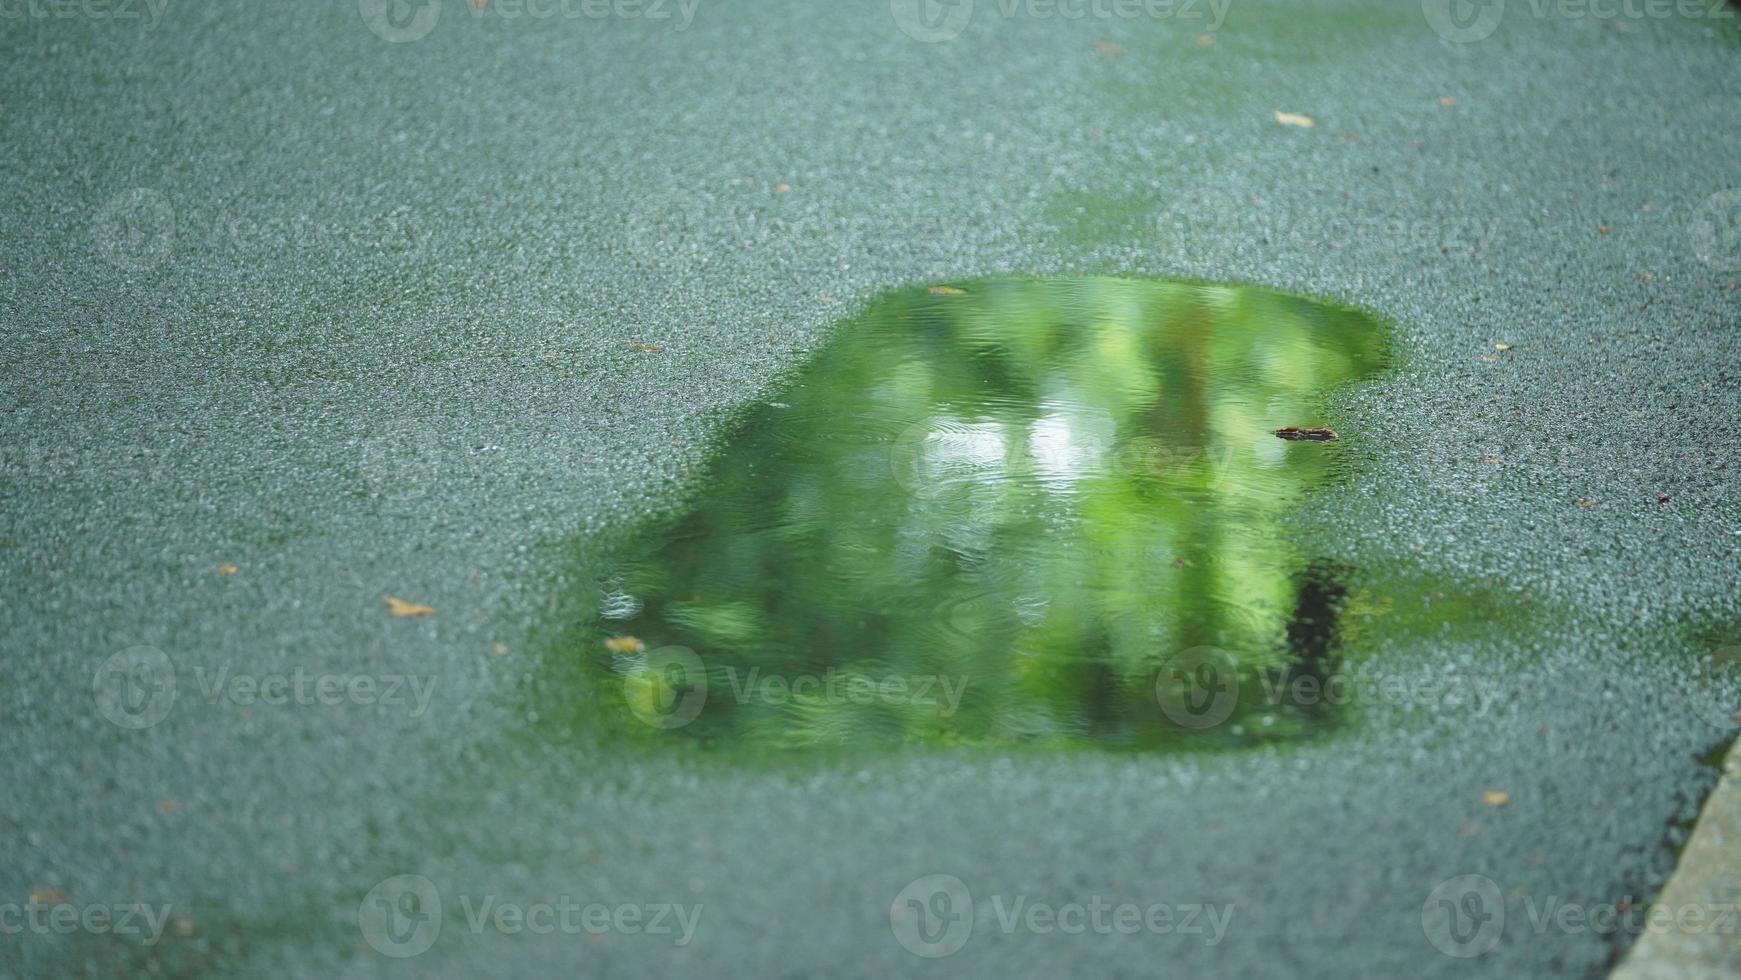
1706	945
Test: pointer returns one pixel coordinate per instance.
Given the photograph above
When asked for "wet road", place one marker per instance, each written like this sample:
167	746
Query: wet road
308	305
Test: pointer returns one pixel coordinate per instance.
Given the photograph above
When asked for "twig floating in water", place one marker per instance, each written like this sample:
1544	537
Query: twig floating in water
1296	434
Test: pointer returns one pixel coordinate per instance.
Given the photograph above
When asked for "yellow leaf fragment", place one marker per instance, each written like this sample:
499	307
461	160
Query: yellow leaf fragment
46	896
645	348
228	569
624	644
399	607
1586	502
1290	119
1204	40
782	188
946	291
1501	346
1495	797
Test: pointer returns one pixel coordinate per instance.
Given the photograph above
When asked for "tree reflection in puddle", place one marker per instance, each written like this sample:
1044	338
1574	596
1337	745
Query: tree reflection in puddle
1008	512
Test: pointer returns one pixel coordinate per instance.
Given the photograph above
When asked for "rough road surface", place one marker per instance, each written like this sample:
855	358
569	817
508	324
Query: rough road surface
346	302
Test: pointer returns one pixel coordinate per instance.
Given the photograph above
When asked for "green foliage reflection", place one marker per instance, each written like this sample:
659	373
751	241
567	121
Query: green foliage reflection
1056	506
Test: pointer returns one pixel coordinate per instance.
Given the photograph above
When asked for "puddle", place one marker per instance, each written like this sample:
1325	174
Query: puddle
1004	512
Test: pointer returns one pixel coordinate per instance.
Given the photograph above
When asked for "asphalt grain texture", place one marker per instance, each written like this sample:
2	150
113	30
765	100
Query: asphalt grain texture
353	313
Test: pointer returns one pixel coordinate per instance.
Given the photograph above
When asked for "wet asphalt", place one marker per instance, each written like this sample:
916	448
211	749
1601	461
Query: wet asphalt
347	303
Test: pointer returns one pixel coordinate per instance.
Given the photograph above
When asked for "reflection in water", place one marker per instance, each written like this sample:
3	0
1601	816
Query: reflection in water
1021	512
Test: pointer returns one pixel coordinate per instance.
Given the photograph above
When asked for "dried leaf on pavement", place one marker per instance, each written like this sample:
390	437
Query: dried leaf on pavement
399	607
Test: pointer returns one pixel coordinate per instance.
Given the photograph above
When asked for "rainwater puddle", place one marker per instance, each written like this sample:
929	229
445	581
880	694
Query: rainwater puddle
1004	512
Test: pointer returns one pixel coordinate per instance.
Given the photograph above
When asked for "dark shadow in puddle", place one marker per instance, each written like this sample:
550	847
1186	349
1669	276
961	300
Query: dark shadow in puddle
1012	512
